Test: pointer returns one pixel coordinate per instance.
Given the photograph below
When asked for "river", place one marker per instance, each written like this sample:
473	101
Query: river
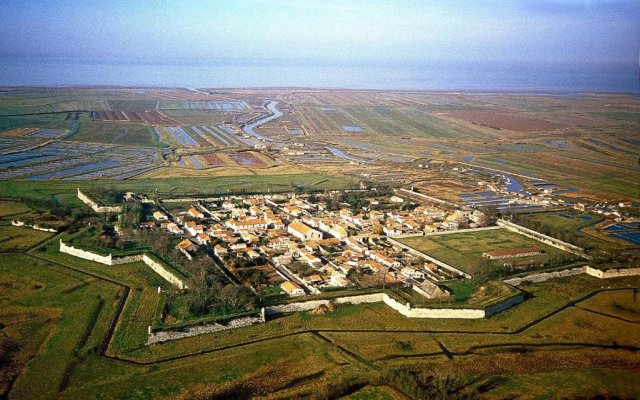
249	128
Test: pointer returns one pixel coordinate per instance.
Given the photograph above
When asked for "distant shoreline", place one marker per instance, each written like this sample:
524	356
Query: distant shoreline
537	92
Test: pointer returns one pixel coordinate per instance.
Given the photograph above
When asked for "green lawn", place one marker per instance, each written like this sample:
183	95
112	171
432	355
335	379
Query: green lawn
464	250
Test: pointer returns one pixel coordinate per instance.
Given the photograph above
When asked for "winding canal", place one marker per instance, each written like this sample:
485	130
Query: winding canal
249	128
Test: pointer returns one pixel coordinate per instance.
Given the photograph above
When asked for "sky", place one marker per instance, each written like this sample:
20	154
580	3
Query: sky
548	31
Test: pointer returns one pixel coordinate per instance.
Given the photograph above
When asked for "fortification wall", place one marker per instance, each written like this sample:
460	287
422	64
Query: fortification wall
504	305
294	307
87	255
612	273
484	228
163	272
602	274
35	227
427	257
95	207
404	309
551	241
545	276
126	259
110	260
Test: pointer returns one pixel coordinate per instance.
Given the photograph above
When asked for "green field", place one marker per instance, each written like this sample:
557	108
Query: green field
176	187
464	250
116	133
58	309
571	226
13	238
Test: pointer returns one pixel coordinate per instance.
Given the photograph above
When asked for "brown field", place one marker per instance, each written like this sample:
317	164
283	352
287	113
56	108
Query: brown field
248	159
212	159
512	122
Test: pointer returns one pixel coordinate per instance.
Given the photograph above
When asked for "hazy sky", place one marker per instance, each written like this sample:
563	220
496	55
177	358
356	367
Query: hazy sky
408	30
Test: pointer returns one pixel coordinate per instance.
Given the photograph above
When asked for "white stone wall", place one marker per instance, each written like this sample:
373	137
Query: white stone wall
35	227
110	260
126	260
160	270
484	228
408	311
361	299
294	307
545	276
87	255
404	309
95	207
551	241
612	273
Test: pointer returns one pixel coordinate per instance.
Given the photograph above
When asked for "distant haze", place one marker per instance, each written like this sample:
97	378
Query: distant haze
501	37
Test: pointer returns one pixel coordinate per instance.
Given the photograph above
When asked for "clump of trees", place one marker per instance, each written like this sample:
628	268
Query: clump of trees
210	292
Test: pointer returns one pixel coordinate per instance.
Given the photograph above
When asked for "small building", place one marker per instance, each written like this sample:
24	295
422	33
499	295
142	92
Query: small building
195	213
291	288
160	216
202	239
187	247
412	273
511	253
303	232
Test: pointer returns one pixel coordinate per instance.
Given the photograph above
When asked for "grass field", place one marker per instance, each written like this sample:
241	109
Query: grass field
582	225
13	238
170	187
124	134
283	355
464	250
8	208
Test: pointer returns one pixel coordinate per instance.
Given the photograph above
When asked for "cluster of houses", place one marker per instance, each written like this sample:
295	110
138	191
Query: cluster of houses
308	246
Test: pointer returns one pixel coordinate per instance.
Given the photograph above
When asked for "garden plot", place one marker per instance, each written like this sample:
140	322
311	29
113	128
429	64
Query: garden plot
75	170
203	105
147	117
248	159
33	159
48	133
625	231
190	162
36	169
212	159
182	137
101	173
497	120
135	172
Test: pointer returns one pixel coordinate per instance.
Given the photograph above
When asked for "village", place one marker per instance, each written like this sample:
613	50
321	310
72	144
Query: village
304	244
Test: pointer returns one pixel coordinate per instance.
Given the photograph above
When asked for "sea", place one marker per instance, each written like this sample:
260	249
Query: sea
238	73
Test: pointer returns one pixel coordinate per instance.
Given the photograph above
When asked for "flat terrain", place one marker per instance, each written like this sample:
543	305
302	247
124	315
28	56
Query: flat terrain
584	143
464	250
74	329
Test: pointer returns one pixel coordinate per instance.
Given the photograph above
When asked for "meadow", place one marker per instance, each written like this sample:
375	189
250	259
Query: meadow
464	250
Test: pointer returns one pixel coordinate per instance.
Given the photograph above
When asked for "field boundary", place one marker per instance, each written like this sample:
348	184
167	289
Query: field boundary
427	257
111	260
551	241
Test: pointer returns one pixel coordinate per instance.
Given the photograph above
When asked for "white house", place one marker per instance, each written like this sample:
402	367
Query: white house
303	232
